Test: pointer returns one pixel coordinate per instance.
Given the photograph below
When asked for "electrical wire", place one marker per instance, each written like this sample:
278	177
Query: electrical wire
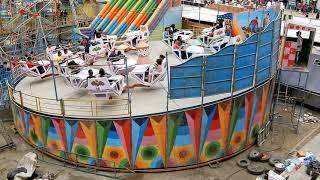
235	173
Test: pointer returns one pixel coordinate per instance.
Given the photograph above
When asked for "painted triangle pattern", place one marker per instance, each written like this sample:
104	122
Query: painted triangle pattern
71	128
114	154
248	112
162	141
151	152
159	127
224	109
36	126
123	128
194	123
89	130
54	143
207	118
26	118
255	116
138	128
45	122
183	150
238	136
264	99
174	121
214	145
103	128
61	131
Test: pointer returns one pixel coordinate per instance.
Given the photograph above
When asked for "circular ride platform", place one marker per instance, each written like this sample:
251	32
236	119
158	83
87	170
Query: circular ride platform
212	108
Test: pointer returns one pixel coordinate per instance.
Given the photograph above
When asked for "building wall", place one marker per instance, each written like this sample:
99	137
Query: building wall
182	138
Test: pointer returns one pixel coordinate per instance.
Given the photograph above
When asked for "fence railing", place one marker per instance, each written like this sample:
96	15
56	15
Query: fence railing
71	107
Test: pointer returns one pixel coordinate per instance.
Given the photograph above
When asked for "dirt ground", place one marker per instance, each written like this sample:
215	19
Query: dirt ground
282	140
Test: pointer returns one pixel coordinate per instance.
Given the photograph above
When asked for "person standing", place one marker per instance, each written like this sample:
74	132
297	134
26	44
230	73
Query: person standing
299	47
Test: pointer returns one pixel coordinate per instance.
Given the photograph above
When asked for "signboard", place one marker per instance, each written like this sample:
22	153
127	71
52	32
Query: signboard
227	18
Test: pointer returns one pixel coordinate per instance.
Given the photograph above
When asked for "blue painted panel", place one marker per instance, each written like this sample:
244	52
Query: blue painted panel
266	37
243	83
218	87
264	63
219	71
244	72
263	75
264	50
186	79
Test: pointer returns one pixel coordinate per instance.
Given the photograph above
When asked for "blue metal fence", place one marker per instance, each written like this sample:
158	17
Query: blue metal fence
232	69
186	79
219	72
245	63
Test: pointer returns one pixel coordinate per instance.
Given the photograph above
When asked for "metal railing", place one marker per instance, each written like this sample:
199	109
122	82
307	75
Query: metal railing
70	107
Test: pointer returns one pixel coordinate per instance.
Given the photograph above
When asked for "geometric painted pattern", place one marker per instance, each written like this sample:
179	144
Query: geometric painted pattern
157	141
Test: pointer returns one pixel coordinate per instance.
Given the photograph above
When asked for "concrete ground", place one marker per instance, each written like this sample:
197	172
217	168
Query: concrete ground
282	141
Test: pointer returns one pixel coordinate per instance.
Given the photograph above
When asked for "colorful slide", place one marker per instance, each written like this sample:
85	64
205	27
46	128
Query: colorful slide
119	16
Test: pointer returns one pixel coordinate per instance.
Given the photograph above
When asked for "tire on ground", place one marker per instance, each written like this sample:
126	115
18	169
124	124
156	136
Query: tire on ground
254	155
273	161
255	169
244	163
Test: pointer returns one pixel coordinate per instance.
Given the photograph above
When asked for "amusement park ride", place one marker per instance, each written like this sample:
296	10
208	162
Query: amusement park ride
112	93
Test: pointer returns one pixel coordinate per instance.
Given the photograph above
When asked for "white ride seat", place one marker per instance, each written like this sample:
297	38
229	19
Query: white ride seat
109	41
66	70
218	35
119	67
35	70
166	39
144	33
98	50
112	86
140	35
235	40
178	54
151	78
78	80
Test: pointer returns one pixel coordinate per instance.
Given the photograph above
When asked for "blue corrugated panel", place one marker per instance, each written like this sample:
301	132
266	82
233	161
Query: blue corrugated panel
186	79
219	72
245	63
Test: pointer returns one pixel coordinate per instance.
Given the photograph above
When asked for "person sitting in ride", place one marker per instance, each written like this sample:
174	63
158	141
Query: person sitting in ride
59	59
31	64
50	49
211	34
168	34
173	28
179	38
177	45
102	73
66	53
156	67
90	73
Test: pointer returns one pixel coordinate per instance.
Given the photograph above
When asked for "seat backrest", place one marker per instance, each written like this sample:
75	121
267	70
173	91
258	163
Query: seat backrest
98	84
236	40
206	30
219	33
164	65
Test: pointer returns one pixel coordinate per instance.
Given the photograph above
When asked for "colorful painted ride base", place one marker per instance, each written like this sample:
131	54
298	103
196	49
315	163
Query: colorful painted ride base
174	140
217	104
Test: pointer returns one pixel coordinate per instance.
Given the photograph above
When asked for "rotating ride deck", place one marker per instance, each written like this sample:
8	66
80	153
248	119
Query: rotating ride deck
212	108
